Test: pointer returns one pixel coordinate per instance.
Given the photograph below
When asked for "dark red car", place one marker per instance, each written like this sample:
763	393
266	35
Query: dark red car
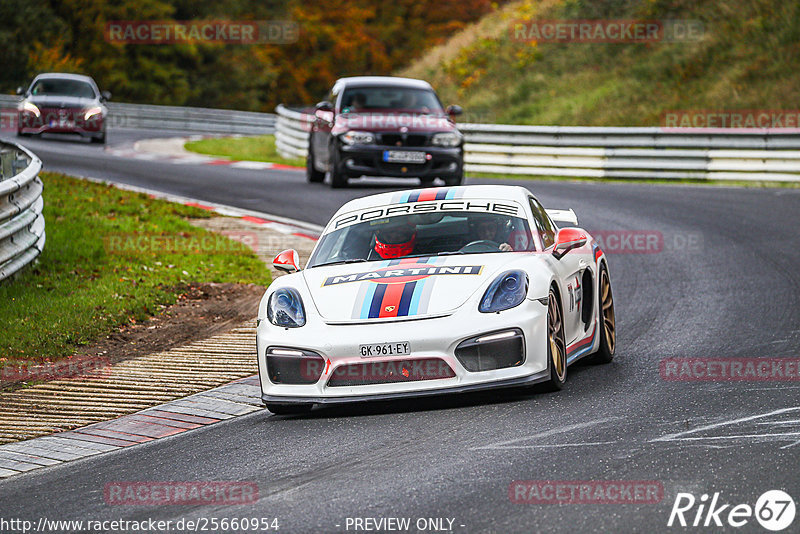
384	126
63	103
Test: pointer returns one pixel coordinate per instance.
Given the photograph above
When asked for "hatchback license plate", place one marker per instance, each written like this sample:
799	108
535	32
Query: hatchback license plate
403	156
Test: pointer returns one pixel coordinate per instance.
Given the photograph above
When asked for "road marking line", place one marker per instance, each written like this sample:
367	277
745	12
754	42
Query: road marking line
546	433
677	436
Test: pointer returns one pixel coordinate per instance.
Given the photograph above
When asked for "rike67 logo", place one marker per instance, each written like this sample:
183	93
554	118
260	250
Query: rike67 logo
774	510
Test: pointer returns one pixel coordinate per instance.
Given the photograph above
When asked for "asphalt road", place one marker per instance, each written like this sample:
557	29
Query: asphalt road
725	285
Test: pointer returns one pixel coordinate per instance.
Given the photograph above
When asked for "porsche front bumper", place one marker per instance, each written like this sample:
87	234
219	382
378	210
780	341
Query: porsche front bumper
433	339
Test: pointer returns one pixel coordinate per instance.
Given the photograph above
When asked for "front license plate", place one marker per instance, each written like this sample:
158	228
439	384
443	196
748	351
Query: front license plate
403	156
401	348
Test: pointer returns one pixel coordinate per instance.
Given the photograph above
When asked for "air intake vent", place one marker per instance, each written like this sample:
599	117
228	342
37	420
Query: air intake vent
362	374
496	350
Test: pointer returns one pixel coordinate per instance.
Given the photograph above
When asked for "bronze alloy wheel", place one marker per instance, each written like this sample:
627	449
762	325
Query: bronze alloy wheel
556	347
609	325
608	322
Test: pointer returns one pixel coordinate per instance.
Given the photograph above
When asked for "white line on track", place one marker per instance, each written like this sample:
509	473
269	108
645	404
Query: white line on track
547	433
684	436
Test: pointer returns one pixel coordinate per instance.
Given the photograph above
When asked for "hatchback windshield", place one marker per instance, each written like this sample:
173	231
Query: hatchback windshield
380	99
61	87
423	235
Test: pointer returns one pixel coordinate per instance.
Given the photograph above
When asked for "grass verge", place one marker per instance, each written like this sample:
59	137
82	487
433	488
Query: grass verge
261	148
112	257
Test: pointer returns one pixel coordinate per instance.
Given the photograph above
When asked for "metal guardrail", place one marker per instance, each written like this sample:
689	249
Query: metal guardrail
138	116
22	233
601	152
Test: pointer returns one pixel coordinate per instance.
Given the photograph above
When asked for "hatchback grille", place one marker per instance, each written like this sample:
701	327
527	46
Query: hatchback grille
393	139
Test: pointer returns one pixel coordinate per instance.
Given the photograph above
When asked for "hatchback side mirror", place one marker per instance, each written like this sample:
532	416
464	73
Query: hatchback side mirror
323	106
454	111
287	261
568	239
106	95
20	90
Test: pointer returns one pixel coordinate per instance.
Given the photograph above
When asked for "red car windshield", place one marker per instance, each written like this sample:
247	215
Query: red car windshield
60	87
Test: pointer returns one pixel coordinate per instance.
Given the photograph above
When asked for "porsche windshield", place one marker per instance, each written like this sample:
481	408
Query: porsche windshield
416	235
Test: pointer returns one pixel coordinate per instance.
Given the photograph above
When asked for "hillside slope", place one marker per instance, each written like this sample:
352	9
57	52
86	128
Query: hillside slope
747	58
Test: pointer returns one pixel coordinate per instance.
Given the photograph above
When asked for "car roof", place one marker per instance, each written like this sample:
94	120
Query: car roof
487	192
65	76
393	81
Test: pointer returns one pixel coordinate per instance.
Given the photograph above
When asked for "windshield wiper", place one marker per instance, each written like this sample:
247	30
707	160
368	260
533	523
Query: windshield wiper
340	262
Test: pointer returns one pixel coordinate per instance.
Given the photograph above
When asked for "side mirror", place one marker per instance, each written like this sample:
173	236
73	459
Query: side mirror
454	111
20	90
106	95
287	261
568	239
323	106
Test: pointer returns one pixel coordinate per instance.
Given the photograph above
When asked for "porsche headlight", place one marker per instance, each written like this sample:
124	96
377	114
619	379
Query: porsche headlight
285	308
507	291
354	137
92	112
30	107
446	139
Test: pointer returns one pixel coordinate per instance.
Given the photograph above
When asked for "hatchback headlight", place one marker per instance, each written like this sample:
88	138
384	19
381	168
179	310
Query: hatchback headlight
285	308
30	107
357	138
507	291
92	112
446	139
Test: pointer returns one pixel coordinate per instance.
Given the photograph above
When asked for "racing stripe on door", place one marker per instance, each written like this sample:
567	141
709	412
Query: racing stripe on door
580	347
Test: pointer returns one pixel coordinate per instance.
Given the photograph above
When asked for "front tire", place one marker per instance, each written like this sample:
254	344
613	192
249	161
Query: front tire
338	177
607	319
556	346
312	174
289	409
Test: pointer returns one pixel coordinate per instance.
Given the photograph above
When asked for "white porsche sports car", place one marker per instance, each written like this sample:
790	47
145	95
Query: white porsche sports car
432	291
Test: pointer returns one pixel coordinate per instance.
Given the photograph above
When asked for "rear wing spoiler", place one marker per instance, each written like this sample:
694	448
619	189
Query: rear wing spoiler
566	216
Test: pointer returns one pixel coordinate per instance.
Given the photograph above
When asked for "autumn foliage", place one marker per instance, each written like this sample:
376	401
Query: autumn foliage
336	38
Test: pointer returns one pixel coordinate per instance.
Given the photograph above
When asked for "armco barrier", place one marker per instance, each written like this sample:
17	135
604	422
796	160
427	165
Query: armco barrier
197	120
22	234
601	152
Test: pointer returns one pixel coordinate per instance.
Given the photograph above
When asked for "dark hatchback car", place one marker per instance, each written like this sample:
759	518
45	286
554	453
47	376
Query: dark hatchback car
63	103
384	126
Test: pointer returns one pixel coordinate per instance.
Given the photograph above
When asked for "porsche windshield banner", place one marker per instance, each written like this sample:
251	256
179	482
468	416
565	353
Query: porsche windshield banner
420	207
402	275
